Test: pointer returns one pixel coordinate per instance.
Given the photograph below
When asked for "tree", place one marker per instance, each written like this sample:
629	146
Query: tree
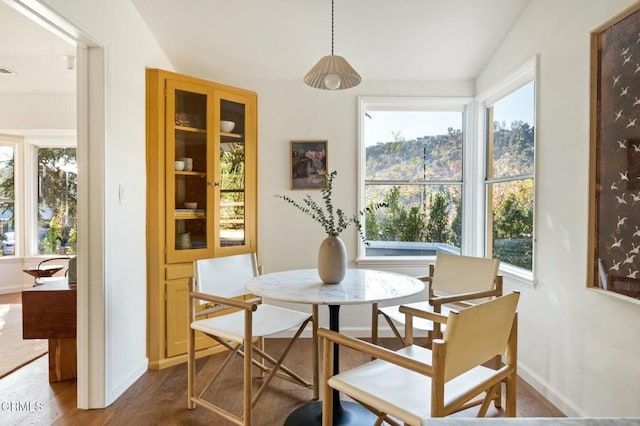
58	192
438	225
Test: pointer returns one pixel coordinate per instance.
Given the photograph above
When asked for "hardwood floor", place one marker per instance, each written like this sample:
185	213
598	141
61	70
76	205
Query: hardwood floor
159	396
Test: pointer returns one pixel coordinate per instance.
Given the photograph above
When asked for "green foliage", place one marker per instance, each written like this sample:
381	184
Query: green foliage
333	221
58	193
232	163
438	227
439	218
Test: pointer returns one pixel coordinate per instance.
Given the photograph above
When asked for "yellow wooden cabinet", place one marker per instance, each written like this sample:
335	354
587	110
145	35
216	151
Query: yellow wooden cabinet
201	195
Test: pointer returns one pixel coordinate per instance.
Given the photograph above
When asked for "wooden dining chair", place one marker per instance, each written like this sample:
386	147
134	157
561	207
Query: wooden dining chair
454	282
221	282
414	383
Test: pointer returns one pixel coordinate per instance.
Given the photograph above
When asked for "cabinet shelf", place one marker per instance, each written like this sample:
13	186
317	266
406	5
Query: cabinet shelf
227	135
191	129
195	174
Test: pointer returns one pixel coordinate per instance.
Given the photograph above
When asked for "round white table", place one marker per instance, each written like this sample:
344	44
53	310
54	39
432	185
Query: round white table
358	286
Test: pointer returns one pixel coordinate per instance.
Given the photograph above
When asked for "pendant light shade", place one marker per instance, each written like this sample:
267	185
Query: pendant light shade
332	72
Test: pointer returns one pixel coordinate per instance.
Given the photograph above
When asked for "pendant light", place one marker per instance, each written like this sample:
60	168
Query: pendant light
332	72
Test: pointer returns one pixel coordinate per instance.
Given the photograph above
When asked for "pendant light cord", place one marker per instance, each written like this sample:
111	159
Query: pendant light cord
331	27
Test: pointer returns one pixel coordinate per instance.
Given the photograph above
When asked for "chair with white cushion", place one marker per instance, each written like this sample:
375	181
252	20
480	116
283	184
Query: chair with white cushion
221	282
414	384
454	282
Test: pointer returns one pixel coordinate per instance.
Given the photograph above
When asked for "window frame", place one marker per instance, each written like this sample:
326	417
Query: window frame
520	77
436	104
26	185
18	210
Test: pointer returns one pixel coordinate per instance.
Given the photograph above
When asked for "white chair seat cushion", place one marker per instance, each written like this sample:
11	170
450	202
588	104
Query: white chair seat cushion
399	392
267	320
394	313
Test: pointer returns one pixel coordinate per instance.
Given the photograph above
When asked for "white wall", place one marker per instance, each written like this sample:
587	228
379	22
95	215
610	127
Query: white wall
38	110
578	346
129	49
570	338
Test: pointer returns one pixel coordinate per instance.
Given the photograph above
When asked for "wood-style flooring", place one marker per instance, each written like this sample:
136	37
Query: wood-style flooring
159	397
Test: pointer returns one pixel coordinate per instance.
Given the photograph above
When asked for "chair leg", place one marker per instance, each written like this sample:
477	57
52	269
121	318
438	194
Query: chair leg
394	328
511	395
260	359
327	392
191	369
497	399
248	363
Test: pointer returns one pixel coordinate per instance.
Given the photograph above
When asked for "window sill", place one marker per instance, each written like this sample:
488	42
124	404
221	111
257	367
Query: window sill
518	275
395	261
512	273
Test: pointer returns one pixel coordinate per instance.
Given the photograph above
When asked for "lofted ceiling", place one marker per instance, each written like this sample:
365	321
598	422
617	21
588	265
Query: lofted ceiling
283	39
382	39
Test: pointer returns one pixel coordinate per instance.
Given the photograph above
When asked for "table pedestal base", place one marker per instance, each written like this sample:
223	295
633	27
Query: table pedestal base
347	413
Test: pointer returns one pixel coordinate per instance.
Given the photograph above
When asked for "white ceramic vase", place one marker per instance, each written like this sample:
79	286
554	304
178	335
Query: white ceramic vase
332	260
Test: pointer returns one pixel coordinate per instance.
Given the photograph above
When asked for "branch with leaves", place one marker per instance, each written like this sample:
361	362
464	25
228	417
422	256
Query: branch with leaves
333	222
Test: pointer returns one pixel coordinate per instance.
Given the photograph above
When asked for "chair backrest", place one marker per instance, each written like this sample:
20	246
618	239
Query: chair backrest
462	274
225	276
475	335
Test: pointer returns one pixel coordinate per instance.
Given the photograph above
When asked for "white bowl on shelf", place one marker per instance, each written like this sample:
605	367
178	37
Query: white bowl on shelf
179	165
188	163
227	126
191	205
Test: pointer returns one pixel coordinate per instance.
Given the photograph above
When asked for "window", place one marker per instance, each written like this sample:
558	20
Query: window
509	176
413	161
447	189
38	195
57	200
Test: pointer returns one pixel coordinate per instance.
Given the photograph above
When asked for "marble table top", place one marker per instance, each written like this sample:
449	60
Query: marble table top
358	286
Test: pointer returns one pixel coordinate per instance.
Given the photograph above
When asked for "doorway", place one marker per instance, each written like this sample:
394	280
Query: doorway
89	91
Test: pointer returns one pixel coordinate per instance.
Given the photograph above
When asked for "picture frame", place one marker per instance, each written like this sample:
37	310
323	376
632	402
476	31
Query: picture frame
308	159
614	175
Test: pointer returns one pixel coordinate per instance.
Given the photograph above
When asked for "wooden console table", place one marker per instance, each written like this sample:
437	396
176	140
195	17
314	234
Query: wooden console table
49	312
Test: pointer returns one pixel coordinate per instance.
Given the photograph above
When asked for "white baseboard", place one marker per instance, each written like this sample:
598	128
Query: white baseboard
549	392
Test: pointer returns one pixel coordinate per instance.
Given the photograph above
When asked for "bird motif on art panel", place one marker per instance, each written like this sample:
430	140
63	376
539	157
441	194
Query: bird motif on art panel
632	275
618	115
626	59
632	123
621	199
616	266
616	243
621	221
629	259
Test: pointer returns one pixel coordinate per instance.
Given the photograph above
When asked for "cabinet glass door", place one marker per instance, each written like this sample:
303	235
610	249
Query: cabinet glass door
187	151
235	189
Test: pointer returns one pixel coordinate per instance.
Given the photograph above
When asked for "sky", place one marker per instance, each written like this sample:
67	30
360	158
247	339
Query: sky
518	105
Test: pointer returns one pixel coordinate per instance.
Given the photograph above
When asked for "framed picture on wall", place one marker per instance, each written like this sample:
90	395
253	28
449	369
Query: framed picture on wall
614	189
308	164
